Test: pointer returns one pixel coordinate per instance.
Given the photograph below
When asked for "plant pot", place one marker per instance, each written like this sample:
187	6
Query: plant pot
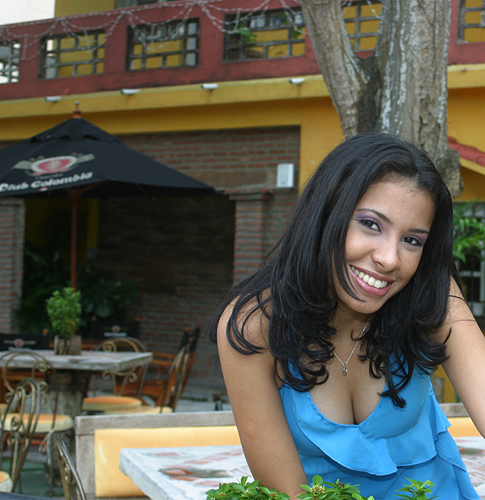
72	345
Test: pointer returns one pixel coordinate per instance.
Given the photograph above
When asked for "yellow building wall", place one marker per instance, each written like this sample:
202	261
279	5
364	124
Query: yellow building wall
243	104
73	7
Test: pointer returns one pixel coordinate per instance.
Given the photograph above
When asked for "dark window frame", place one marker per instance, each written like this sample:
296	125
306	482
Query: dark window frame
462	25
9	61
50	69
239	29
187	30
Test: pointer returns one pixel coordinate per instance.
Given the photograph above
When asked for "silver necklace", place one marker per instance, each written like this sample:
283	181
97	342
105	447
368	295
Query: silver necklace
345	370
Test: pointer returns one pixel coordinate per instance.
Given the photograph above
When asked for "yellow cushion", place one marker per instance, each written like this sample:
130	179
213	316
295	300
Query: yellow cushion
142	410
5	482
462	427
62	423
44	423
102	403
109	481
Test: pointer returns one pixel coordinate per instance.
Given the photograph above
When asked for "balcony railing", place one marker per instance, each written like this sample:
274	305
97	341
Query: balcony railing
184	42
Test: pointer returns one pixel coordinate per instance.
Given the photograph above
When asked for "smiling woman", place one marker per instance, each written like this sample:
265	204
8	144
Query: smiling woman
384	243
364	273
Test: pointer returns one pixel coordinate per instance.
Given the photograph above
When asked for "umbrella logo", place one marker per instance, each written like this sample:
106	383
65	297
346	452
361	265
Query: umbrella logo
53	165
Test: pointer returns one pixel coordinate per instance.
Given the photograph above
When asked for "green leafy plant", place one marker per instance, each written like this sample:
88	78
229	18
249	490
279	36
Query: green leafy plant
244	490
417	490
44	272
319	490
64	311
104	295
247	35
469	232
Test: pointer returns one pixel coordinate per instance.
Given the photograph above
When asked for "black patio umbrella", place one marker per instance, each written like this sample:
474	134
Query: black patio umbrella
76	159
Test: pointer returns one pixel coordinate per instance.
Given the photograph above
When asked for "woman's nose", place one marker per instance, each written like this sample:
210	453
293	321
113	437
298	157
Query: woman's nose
386	256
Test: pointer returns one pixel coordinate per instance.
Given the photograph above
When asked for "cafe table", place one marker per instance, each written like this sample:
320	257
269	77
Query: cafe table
187	473
73	371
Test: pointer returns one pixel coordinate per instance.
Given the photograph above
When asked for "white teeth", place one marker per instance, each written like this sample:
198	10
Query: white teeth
370	280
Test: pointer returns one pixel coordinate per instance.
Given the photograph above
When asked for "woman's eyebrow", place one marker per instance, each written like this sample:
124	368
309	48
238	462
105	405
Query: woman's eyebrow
386	219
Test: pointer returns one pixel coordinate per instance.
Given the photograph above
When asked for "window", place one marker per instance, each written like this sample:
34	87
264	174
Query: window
76	54
264	35
362	22
471	21
163	45
9	61
472	272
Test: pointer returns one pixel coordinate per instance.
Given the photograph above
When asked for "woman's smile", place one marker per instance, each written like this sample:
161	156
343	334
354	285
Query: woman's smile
371	283
385	241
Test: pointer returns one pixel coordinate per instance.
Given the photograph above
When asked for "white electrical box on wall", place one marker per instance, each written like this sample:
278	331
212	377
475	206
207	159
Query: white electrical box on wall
285	175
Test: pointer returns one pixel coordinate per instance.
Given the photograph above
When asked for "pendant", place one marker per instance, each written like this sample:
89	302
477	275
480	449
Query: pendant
344	370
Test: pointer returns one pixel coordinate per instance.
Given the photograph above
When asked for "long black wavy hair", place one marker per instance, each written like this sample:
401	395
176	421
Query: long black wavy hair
295	288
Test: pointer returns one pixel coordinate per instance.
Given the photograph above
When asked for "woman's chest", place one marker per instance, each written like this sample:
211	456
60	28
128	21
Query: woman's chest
349	396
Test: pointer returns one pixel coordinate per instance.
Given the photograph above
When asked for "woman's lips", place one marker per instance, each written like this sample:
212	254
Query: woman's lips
369	283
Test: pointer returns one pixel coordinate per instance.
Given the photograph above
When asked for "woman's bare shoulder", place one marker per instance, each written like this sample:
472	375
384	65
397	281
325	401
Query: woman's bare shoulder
251	321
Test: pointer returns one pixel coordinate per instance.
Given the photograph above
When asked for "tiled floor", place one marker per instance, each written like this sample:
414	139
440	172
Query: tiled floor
34	482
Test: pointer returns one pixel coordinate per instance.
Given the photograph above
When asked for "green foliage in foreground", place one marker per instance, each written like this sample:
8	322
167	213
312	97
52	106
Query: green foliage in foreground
319	490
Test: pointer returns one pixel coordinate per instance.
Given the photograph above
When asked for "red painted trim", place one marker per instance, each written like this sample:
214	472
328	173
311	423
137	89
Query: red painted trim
210	68
468	152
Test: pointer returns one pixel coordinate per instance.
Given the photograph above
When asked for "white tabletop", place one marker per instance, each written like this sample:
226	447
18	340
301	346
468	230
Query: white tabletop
187	473
86	361
182	473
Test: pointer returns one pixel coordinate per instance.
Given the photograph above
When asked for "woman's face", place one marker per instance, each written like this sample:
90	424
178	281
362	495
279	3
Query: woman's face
384	244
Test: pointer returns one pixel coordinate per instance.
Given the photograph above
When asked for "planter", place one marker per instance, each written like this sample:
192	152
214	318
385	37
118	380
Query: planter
72	345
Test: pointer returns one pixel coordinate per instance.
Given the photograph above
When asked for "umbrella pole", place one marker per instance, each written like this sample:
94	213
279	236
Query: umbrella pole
74	195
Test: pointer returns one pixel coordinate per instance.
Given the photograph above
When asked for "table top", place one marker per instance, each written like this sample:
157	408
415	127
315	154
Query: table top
86	361
182	473
187	473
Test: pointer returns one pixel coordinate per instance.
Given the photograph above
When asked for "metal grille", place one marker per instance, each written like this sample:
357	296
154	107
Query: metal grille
362	23
76	54
471	21
163	45
9	61
264	35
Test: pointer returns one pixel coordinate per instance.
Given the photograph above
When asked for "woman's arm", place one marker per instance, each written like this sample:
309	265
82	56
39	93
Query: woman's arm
253	392
466	350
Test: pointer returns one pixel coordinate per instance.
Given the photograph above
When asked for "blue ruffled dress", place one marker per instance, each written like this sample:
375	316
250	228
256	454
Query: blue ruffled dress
380	453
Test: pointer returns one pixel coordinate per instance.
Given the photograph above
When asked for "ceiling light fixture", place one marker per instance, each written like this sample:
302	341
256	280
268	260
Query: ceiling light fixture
296	81
52	98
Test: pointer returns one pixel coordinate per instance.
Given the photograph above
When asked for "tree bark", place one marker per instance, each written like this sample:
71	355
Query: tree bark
402	88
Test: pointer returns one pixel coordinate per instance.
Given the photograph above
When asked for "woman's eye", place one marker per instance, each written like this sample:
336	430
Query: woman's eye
371	224
413	241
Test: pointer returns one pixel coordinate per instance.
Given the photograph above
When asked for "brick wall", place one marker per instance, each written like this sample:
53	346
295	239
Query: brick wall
12	224
180	251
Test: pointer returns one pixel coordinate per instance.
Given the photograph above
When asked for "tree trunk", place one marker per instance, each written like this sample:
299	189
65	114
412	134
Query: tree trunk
402	88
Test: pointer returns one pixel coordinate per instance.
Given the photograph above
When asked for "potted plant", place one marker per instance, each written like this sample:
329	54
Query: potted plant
319	490
64	311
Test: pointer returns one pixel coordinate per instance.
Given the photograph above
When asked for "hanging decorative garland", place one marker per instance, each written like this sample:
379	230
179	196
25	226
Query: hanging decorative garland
177	11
